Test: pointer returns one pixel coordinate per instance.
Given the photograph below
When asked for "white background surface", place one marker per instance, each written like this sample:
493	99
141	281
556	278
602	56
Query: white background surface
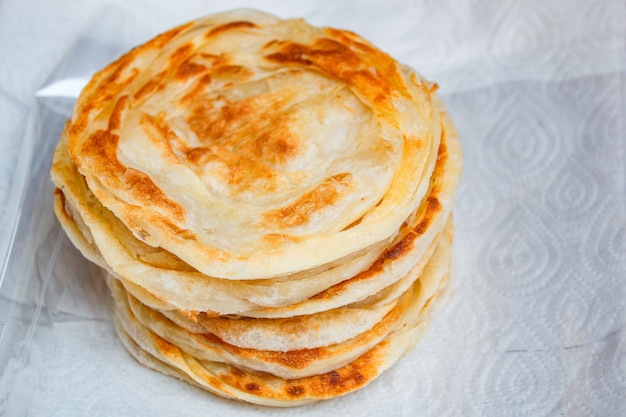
536	324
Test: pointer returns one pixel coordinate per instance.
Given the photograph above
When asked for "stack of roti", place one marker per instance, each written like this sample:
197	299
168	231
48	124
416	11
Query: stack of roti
271	200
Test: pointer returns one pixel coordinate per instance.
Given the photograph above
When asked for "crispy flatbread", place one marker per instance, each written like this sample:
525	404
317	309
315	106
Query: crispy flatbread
253	147
237	381
164	281
272	202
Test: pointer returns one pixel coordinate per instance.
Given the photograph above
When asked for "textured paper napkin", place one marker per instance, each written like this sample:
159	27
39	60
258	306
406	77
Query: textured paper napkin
535	326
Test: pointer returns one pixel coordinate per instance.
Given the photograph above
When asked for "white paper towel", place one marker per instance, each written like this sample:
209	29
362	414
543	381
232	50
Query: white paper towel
535	326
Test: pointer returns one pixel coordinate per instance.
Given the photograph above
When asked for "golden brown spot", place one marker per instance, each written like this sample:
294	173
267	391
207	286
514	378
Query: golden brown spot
111	89
115	120
222	126
219	120
99	99
276	145
180	55
100	151
396	251
228	70
189	69
165	347
348	37
209	55
253	386
216	120
333	377
295	390
374	74
280	238
175	230
217	30
340	381
157	124
124	62
155	83
181	65
238	171
291	54
428	303
442	152
432	207
371	85
162	136
58	194
325	194
237	372
198	88
78	126
105	85
191	315
350	377
299	359
270	43
334	54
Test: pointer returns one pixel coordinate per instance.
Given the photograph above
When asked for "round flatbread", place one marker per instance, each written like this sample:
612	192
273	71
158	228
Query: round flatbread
253	147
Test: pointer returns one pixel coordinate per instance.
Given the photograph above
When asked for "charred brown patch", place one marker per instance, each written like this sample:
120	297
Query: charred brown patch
295	390
333	378
349	377
399	249
253	387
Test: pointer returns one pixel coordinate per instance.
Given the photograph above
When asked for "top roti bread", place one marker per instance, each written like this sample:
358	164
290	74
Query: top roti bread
253	147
